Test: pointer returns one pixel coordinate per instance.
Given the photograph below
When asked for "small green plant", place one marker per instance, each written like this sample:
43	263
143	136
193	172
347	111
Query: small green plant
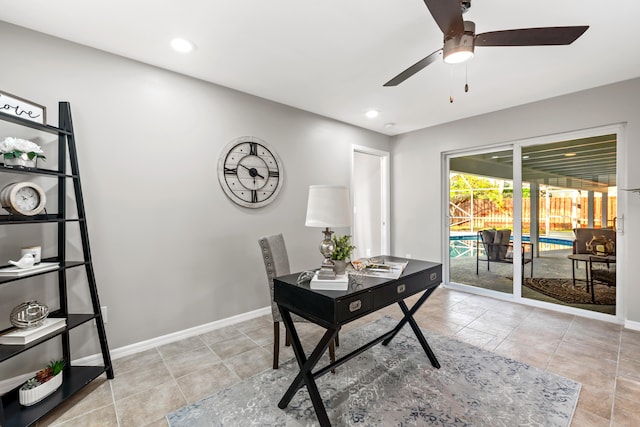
343	249
43	375
16	148
56	366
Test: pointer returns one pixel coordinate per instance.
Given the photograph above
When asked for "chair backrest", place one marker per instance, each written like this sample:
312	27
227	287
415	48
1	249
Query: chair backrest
583	237
276	263
496	243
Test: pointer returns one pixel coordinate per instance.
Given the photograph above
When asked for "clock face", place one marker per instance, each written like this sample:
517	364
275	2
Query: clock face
27	199
24	198
250	172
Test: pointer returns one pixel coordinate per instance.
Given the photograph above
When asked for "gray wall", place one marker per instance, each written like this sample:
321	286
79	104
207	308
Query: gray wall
170	250
417	224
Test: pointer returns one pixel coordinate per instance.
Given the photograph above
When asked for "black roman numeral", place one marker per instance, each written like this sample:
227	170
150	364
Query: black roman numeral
253	148
254	196
274	174
229	171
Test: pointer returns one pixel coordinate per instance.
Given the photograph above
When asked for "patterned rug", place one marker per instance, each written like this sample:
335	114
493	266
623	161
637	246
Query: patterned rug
563	290
397	386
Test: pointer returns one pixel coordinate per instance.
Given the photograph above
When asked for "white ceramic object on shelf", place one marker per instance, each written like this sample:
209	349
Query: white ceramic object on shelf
36	251
36	394
26	261
18	161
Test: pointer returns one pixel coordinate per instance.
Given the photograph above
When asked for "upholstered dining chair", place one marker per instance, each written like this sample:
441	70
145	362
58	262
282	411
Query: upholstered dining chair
276	263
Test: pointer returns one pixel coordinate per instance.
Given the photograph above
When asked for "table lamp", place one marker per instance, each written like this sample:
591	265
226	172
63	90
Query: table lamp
328	206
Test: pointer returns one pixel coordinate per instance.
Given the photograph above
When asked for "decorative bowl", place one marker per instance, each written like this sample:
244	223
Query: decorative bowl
29	314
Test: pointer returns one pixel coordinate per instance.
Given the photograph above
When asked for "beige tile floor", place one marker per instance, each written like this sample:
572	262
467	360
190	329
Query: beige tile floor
147	386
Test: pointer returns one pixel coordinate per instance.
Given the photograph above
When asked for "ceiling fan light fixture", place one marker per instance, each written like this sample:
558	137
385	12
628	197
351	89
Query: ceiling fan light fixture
460	48
458	56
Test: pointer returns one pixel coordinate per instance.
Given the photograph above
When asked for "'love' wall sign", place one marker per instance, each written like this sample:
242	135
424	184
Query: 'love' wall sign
15	106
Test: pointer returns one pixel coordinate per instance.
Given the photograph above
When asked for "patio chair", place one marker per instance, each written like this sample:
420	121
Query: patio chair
497	247
590	242
587	240
602	269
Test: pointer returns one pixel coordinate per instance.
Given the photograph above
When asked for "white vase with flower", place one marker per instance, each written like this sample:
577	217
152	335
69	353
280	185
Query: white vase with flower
20	152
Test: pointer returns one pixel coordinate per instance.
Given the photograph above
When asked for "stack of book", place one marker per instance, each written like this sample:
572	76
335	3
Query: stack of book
14	271
22	336
340	283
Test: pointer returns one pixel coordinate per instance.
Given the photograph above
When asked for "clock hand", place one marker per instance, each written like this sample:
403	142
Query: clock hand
252	171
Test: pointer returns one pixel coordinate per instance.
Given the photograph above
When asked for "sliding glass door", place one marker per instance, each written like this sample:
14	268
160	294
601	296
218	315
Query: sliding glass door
481	221
553	238
569	209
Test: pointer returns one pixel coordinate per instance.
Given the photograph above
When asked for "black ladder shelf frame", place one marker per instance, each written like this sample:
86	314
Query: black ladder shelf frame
12	414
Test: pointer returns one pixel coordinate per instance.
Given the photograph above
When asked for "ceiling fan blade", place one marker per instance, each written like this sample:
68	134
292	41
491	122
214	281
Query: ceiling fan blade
531	36
413	69
448	16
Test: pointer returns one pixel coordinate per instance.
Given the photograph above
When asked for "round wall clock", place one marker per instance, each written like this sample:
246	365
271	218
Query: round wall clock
23	198
250	172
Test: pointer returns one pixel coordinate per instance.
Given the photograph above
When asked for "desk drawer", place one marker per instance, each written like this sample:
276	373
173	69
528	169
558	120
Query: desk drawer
405	287
353	306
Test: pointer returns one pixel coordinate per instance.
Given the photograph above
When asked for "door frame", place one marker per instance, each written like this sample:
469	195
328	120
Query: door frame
385	188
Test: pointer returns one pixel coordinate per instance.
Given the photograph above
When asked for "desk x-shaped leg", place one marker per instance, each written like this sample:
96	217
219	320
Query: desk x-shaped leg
307	377
408	317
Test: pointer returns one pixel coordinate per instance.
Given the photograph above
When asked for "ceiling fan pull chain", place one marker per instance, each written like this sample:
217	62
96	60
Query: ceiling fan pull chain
466	78
451	85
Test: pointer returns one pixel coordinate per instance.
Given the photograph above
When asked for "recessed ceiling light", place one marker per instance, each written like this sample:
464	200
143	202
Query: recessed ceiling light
389	125
372	114
182	45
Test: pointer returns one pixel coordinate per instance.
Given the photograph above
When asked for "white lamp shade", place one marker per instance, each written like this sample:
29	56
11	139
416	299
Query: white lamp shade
328	206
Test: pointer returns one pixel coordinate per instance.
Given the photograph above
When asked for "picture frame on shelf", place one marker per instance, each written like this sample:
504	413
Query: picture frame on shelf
23	108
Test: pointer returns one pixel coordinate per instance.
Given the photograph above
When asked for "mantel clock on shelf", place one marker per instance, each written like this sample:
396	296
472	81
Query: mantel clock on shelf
23	198
250	172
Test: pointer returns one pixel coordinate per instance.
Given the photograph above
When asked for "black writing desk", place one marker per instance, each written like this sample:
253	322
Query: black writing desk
332	309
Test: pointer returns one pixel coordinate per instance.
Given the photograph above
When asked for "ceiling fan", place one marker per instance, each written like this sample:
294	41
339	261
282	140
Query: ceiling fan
460	38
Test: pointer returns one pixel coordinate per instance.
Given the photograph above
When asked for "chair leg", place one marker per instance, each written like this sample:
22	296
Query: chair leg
287	338
276	344
338	339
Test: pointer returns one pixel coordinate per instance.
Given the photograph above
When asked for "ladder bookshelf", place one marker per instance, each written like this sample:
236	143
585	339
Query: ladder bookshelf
12	414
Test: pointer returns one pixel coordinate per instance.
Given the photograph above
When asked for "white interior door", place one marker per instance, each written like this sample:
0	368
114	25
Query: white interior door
370	197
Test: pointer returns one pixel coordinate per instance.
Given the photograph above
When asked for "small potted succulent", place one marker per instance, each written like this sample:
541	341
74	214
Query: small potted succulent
46	381
342	253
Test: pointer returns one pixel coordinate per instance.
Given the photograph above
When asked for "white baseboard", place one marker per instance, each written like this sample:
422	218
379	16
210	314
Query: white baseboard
96	359
138	347
630	324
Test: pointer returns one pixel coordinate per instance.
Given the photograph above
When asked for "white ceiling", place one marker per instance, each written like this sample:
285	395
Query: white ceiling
331	57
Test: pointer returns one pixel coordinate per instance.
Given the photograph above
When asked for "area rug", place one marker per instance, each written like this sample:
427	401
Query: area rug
563	290
397	386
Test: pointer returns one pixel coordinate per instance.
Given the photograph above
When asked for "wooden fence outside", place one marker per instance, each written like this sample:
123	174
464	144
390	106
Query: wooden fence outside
488	214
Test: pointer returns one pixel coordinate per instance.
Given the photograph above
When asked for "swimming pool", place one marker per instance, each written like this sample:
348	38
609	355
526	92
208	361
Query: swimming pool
465	245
